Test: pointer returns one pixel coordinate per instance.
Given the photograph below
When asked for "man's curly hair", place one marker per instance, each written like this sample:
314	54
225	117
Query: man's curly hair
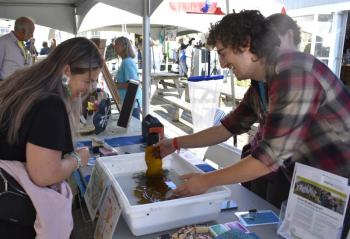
243	29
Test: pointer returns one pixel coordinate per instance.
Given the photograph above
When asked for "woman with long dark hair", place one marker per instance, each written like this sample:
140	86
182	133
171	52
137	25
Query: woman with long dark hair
39	112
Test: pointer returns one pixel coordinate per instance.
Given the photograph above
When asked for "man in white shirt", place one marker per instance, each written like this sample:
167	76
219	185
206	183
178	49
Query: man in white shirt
13	53
189	56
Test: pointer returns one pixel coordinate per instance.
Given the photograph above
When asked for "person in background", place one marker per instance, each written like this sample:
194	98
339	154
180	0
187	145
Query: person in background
110	52
13	53
156	55
30	45
307	108
38	121
139	56
134	49
189	56
127	71
52	44
182	57
288	31
45	49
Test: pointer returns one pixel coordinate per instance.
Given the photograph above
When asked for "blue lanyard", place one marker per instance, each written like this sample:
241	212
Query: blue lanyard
262	94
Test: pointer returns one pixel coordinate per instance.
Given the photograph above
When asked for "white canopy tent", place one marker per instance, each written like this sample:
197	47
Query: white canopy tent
67	15
163	16
71	16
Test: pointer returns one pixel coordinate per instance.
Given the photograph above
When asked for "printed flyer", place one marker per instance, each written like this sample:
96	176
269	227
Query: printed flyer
110	212
95	190
316	204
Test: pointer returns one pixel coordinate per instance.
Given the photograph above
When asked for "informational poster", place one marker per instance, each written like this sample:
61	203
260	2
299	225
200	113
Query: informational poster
316	204
110	211
95	190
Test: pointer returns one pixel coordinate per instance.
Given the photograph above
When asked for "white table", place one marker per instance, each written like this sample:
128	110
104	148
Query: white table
160	77
112	130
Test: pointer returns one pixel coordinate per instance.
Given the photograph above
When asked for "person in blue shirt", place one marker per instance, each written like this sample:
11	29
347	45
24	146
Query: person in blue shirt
127	71
182	58
45	49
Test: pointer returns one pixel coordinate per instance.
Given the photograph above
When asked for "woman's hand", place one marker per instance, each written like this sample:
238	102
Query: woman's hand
166	147
194	183
84	155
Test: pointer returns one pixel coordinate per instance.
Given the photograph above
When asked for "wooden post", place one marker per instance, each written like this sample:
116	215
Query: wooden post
111	86
101	44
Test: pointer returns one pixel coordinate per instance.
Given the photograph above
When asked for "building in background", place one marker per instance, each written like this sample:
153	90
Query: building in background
325	31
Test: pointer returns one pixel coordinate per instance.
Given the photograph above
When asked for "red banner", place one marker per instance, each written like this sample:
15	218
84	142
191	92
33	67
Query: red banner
192	7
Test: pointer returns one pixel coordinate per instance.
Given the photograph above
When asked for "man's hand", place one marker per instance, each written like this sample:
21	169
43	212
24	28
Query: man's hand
165	147
194	183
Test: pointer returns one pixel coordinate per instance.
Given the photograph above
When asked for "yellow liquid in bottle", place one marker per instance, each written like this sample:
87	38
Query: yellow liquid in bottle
154	164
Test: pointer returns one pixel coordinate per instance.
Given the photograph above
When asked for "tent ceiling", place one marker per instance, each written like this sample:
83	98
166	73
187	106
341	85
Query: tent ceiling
65	15
155	29
133	6
55	14
162	16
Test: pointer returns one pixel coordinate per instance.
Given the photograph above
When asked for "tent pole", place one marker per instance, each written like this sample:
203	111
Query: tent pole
146	69
227	6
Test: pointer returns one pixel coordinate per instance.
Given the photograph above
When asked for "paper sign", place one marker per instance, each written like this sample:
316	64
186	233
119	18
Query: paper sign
316	204
95	190
110	212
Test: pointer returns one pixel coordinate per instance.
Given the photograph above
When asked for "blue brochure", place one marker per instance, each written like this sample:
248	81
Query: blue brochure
260	217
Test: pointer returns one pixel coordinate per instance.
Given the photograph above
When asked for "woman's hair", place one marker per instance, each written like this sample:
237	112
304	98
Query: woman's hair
243	29
22	90
53	43
283	23
190	41
128	49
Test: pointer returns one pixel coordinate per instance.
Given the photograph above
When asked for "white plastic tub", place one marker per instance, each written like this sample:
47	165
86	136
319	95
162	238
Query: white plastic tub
164	215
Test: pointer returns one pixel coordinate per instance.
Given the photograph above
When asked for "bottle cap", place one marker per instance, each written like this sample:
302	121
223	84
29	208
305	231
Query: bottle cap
152	138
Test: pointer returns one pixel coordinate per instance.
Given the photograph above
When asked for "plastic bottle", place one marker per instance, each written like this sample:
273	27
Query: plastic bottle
154	163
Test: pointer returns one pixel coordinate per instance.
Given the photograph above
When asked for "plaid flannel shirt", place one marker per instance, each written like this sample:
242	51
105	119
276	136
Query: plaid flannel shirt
308	118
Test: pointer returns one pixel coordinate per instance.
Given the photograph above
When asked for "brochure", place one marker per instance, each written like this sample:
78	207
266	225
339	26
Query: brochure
261	217
316	204
95	190
110	212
